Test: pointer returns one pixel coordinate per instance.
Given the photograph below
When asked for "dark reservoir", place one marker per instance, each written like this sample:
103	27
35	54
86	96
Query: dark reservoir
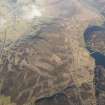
99	58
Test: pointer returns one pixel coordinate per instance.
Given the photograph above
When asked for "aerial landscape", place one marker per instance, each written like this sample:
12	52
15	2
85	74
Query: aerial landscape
52	52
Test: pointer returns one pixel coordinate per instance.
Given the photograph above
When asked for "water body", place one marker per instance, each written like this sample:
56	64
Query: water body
99	58
90	31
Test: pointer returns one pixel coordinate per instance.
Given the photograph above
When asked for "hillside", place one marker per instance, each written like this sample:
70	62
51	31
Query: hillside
46	54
